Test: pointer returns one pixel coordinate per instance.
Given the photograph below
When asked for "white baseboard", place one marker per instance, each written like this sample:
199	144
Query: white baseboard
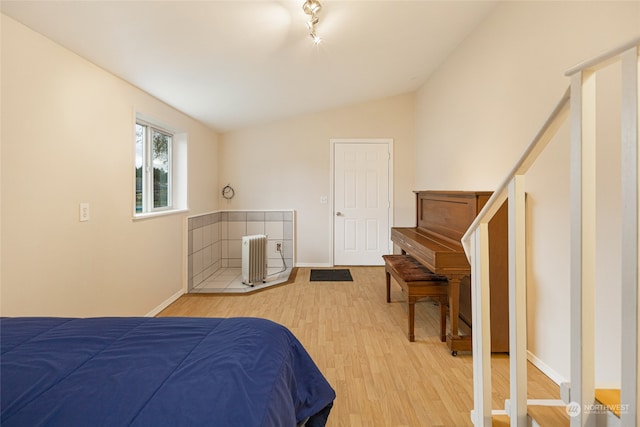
546	369
319	265
165	304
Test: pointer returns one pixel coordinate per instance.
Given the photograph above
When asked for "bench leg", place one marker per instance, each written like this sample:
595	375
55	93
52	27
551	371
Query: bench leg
411	302
388	286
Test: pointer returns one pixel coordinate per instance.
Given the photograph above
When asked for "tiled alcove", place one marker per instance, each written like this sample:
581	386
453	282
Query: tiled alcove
215	241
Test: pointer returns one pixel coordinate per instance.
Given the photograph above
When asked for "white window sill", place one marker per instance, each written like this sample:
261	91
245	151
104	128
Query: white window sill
149	215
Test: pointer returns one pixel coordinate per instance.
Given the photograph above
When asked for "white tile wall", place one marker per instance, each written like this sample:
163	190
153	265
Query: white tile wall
236	230
274	230
254	227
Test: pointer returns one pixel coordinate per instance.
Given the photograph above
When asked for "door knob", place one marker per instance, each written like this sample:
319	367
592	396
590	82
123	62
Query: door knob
338	213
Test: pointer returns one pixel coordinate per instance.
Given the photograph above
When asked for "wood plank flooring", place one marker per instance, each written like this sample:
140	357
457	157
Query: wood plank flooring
360	344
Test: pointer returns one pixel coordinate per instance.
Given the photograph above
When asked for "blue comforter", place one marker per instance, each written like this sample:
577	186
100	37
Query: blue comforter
157	372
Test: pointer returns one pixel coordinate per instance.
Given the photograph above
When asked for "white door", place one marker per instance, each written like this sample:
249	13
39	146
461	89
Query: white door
361	202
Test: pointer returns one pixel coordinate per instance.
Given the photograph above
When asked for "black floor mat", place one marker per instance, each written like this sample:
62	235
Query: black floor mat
339	275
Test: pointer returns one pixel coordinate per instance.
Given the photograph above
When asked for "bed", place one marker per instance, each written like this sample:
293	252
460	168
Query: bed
157	371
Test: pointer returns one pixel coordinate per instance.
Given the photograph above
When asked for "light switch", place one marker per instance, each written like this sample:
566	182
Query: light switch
84	212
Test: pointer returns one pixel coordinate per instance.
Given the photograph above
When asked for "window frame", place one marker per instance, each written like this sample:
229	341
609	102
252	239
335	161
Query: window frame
176	169
148	198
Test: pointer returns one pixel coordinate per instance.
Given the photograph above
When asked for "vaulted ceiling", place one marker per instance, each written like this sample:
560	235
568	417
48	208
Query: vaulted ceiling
234	64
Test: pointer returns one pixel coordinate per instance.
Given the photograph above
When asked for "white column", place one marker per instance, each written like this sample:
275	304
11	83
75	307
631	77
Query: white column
630	296
517	303
480	319
583	144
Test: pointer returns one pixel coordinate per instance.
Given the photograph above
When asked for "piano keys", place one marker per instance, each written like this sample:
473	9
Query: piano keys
442	218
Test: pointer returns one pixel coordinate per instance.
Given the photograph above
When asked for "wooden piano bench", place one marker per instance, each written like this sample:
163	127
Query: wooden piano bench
418	282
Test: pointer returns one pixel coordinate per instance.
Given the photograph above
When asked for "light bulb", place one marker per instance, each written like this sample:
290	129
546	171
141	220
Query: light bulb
311	25
311	7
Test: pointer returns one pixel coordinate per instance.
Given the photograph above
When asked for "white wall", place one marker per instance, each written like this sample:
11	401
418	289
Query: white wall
67	137
482	107
286	165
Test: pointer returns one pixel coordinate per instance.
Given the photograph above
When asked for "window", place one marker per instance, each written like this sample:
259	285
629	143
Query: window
160	169
153	168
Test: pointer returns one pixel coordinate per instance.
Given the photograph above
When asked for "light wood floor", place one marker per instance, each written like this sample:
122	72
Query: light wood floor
359	342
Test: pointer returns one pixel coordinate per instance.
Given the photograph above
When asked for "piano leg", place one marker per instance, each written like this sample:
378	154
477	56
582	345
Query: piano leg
443	319
455	342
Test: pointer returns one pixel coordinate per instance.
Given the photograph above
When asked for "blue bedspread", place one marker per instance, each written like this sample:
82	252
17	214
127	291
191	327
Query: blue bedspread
156	372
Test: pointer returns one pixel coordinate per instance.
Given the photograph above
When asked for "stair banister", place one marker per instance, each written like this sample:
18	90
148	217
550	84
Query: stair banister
580	98
512	188
582	311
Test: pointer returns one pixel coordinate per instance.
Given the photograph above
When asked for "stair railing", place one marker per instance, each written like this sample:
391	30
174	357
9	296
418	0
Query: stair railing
578	102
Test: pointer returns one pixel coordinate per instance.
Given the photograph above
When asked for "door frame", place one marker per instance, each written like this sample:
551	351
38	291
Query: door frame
332	143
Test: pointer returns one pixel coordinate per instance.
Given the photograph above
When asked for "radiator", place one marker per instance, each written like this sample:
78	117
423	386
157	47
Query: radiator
254	259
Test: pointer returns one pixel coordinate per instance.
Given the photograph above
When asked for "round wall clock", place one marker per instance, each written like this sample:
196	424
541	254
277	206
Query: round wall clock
227	192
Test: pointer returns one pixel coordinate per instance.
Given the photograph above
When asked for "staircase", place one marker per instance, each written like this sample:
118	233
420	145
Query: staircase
578	397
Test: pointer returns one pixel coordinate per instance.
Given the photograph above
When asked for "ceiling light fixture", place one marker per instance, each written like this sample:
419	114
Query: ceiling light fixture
312	8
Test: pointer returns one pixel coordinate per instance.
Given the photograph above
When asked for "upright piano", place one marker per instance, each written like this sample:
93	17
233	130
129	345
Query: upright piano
442	218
